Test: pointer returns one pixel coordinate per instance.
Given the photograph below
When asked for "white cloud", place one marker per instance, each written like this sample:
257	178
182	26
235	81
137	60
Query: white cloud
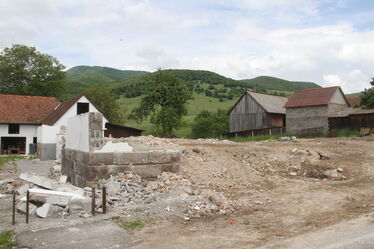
236	38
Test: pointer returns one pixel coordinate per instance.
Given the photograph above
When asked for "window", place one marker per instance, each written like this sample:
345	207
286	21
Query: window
13	129
82	108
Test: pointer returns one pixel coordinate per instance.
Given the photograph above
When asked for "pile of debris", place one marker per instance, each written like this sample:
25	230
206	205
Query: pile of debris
169	194
48	197
126	192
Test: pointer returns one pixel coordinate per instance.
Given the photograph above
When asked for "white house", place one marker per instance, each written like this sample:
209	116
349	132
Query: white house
28	123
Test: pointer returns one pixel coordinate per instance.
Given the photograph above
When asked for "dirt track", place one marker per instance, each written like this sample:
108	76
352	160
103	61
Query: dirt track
277	189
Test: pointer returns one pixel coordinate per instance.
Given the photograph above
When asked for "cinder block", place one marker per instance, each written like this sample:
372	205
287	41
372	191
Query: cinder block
95	121
164	157
171	167
128	158
92	173
81	156
147	171
115	169
101	158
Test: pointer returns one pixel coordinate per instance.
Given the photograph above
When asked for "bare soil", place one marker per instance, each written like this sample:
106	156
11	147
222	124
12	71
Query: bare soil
272	204
279	189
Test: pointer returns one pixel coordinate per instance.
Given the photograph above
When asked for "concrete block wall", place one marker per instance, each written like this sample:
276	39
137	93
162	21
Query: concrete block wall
311	120
86	168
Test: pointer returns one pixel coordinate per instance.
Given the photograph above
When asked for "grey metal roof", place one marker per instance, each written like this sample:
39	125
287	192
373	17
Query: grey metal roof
271	103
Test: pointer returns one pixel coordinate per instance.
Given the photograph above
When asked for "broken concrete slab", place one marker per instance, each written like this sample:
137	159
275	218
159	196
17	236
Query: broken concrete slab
70	189
51	184
22	208
41	181
63	179
2	196
48	210
80	204
23	189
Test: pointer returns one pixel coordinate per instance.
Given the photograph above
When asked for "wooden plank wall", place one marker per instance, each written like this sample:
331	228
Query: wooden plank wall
353	122
248	115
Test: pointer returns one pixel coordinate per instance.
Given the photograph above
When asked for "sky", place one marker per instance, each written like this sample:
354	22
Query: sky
329	42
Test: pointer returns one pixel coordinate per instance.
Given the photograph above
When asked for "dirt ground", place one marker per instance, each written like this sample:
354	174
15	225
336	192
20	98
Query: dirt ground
278	190
272	203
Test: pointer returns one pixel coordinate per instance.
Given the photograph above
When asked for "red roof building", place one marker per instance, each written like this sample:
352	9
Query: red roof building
313	97
25	109
307	111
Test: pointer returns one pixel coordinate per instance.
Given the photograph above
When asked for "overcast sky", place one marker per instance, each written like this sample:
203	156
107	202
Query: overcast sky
330	42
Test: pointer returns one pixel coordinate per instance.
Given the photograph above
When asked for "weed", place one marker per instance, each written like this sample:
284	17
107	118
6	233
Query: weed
6	240
4	159
347	133
257	138
129	225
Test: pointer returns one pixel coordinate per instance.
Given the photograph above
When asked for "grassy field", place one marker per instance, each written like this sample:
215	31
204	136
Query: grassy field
198	103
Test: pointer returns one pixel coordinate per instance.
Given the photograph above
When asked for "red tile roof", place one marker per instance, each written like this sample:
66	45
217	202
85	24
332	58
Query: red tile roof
311	97
354	101
25	109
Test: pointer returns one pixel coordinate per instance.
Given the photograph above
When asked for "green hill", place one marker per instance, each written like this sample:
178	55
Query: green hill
272	83
107	72
210	90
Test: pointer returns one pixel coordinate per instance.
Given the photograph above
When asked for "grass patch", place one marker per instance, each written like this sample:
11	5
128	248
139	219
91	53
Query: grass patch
129	225
315	188
258	138
5	159
198	103
347	133
6	240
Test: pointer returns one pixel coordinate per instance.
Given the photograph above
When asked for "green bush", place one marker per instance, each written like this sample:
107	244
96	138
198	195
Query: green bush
210	124
6	240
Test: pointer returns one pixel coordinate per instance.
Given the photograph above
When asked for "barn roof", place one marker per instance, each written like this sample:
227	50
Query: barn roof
22	109
312	97
271	103
354	100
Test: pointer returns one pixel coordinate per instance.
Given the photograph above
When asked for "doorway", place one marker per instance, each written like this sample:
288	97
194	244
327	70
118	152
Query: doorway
13	145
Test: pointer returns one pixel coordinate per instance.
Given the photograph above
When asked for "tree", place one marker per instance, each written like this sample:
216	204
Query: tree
105	100
367	96
165	100
208	124
25	71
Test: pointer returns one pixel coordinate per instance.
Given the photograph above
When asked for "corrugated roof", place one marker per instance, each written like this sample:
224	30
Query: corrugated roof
271	103
25	109
311	97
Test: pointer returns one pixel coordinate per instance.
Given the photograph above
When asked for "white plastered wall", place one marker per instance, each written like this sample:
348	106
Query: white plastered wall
338	98
59	128
28	131
77	133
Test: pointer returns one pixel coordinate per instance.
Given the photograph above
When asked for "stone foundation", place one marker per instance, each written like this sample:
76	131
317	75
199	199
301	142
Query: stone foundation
86	168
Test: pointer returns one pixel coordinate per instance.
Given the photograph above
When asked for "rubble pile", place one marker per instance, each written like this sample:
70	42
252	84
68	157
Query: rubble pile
169	194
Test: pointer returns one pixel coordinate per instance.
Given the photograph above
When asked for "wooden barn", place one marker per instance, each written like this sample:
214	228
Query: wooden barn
256	114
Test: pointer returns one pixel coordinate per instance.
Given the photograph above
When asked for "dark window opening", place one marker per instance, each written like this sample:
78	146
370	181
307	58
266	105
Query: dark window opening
35	140
82	108
13	129
13	145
